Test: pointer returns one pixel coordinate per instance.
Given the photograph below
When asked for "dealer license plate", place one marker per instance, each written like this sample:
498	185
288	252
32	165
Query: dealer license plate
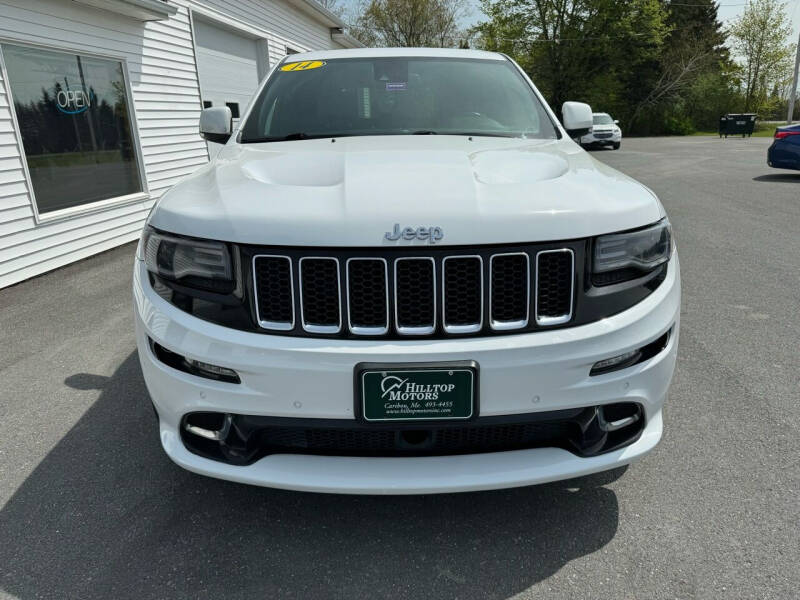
432	392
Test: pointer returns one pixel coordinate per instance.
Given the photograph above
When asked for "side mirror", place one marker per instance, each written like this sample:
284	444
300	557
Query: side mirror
577	118
216	124
616	121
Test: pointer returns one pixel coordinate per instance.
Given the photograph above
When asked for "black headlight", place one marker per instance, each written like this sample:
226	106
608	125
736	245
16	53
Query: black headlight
194	263
630	255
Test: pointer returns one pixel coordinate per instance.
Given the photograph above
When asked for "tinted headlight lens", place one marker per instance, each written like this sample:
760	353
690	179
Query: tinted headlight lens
633	253
196	263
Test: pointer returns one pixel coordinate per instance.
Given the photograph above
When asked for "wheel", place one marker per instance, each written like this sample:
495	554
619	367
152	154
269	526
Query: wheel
616	145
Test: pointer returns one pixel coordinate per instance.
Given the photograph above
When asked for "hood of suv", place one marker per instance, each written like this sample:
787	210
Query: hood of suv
351	191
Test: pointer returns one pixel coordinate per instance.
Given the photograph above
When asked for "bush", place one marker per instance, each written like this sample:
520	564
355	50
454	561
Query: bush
678	125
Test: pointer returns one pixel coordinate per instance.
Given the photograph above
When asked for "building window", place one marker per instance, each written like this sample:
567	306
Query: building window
74	119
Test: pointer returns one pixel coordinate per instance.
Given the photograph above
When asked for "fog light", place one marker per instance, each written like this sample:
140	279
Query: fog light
193	367
615	362
623	361
213	370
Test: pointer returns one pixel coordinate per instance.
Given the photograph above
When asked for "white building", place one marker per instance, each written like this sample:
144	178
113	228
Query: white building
99	107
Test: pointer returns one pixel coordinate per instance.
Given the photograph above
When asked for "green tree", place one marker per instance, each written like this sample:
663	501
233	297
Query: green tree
712	89
600	51
760	37
693	50
409	23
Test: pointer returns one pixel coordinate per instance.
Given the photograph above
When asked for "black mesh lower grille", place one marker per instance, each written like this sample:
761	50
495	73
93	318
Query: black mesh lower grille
553	286
510	285
463	291
273	276
367	297
382	442
415	293
250	438
319	280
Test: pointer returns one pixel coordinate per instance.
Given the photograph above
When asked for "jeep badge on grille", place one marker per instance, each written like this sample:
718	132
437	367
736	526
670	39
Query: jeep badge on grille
431	234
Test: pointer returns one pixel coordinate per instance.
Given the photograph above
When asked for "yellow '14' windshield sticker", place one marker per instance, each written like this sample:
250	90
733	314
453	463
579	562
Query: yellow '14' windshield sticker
303	66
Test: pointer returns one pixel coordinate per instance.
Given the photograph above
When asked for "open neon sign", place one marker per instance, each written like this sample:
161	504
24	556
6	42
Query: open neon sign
73	102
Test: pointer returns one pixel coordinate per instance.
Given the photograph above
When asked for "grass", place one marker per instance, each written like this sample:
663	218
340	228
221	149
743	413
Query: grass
761	130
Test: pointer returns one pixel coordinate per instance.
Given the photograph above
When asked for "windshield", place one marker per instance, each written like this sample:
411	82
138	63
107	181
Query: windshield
396	96
602	119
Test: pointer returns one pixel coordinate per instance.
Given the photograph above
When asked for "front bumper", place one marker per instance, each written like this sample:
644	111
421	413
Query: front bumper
313	378
590	139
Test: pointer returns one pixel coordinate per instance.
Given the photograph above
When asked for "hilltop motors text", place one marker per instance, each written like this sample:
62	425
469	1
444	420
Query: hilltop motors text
419	391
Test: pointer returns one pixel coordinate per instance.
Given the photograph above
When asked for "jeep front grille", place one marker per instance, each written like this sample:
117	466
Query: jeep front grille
553	301
274	294
413	293
320	285
462	295
367	296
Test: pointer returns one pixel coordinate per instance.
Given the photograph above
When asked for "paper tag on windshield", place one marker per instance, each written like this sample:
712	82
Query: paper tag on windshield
397	86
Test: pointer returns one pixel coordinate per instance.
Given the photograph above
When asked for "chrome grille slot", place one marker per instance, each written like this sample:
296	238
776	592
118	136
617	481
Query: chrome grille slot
320	294
462	293
415	295
274	291
555	275
367	296
509	290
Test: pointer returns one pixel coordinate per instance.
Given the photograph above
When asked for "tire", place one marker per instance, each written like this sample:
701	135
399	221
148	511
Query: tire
616	145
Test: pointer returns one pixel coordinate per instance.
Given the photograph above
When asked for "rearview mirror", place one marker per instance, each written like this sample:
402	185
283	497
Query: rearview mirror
616	121
577	118
216	124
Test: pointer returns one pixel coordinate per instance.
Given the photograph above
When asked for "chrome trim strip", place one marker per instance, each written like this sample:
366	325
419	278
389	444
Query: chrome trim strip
211	434
361	330
274	325
311	328
420	330
610	426
558	320
471	328
518	324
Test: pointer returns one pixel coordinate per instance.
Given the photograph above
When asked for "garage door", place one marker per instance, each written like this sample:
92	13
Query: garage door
227	64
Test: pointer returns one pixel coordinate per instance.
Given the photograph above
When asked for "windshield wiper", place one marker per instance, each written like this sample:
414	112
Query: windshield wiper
467	133
300	135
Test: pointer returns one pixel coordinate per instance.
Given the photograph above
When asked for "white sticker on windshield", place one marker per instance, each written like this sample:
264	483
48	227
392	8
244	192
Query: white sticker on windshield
397	86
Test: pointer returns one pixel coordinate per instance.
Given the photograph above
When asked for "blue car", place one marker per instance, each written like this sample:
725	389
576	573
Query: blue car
785	150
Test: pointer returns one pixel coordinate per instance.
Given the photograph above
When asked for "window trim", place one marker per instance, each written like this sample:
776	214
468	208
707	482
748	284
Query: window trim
97	205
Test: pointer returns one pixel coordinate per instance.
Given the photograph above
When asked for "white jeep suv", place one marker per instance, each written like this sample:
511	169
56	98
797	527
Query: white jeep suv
401	275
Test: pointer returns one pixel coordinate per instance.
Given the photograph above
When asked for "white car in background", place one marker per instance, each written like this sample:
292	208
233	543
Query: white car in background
605	132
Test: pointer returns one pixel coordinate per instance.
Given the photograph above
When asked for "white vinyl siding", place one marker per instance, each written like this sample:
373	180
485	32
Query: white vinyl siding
160	60
287	25
227	65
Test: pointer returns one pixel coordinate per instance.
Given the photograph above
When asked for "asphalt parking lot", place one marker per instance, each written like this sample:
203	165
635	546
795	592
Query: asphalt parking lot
92	508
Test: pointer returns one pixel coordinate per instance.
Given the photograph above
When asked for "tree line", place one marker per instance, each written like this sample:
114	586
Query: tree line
660	66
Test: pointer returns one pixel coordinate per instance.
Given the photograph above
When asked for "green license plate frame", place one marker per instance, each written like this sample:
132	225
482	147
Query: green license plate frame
416	392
